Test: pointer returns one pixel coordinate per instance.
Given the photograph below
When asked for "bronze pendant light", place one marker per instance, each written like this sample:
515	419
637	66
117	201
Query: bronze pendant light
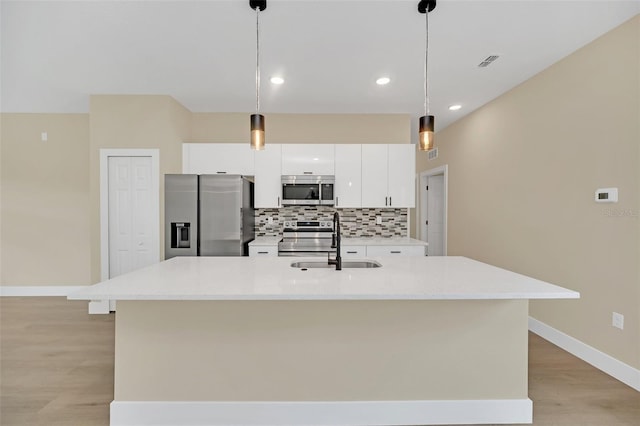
257	119
427	122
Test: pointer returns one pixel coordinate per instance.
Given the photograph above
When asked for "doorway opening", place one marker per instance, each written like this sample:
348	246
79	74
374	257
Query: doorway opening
129	214
432	217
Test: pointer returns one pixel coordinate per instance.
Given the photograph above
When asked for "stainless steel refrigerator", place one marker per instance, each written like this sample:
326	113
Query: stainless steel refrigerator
208	215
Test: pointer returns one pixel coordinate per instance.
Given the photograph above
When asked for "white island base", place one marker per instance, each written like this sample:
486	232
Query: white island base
321	362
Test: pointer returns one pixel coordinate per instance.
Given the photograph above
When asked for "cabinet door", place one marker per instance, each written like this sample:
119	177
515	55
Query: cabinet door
268	171
217	158
353	251
374	251
348	186
374	175
308	159
255	251
401	175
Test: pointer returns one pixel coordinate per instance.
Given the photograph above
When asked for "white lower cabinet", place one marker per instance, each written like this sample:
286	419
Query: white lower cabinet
353	251
255	251
396	251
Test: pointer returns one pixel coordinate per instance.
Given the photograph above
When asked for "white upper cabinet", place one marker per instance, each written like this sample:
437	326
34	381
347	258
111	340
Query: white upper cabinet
348	185
367	175
388	175
217	158
268	171
308	159
374	176
401	175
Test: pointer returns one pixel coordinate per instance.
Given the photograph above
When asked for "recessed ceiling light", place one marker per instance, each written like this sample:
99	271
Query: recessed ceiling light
455	107
277	80
383	80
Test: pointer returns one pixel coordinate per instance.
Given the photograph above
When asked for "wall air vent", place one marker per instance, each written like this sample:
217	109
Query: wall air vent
433	154
487	61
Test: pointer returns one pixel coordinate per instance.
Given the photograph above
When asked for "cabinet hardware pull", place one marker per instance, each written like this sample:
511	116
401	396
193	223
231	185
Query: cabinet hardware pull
351	252
307	173
396	251
221	173
337	198
278	201
385	200
263	252
390	201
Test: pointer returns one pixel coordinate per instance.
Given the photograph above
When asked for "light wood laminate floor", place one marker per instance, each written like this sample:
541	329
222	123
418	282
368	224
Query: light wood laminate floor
56	368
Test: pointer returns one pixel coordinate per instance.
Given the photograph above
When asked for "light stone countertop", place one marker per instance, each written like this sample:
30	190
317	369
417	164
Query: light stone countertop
272	278
351	241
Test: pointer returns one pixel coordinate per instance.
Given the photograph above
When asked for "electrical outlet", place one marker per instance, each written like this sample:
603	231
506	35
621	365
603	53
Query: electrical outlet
270	220
617	320
44	137
379	220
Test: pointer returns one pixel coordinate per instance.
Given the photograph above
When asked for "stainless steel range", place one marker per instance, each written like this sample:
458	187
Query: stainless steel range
306	238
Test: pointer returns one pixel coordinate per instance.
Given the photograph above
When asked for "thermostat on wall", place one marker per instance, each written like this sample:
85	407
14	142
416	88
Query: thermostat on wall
607	195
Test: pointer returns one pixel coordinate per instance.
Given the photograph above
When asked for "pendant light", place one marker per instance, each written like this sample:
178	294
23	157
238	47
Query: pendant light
257	119
427	122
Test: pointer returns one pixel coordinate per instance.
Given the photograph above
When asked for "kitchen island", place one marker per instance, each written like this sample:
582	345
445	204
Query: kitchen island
419	340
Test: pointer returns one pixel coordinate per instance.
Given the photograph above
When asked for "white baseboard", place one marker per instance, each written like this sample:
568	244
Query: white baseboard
613	367
330	413
32	290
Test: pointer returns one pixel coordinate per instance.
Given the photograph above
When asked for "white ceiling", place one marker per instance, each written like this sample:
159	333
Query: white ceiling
56	53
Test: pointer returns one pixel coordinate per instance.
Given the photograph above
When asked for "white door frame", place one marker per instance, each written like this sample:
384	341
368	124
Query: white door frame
441	170
102	306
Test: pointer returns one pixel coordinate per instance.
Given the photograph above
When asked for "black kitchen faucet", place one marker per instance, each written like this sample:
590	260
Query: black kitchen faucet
335	243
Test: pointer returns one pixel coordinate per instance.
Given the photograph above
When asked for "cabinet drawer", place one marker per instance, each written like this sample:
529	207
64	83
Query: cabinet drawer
395	251
263	251
353	251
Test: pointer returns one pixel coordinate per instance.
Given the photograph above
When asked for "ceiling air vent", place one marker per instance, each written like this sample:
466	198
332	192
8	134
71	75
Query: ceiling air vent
487	61
433	154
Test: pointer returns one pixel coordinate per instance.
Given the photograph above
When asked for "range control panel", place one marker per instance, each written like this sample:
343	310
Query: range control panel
316	225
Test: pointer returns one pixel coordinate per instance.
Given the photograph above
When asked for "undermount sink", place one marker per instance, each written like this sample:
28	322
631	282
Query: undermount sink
345	264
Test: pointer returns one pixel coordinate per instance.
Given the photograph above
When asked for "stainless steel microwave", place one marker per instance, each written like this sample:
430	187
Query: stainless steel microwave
308	190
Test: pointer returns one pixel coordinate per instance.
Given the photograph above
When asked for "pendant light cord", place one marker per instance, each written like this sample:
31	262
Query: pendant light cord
257	60
426	64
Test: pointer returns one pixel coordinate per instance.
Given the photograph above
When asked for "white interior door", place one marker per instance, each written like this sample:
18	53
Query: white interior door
432	224
435	215
131	211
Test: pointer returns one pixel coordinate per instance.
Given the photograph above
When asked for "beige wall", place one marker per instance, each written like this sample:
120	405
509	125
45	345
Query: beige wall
135	122
383	350
304	128
45	199
523	170
51	191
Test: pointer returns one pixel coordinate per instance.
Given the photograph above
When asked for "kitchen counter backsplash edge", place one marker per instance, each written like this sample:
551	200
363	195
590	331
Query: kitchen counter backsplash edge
353	222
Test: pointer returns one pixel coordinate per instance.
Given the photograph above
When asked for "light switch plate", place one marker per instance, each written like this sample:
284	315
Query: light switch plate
617	320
